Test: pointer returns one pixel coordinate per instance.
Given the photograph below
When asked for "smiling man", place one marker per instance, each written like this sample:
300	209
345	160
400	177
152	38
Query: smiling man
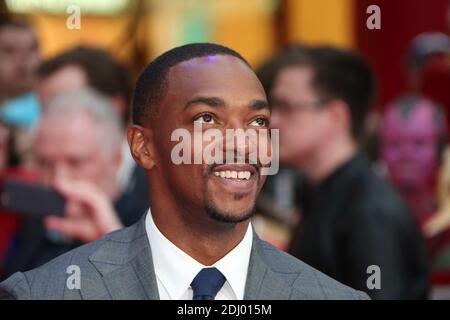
197	241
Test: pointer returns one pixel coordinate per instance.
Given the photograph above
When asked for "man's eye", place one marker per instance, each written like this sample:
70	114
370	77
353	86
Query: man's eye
77	162
204	118
260	122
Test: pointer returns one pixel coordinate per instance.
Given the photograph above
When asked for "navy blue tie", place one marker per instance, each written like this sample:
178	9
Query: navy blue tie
207	283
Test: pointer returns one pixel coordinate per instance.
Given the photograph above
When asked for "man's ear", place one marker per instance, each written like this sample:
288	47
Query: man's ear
140	140
340	113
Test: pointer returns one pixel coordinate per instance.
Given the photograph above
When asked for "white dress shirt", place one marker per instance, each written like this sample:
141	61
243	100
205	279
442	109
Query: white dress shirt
175	269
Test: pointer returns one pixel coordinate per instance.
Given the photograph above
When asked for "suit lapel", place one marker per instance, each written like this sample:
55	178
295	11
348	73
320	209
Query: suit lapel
262	282
126	265
133	281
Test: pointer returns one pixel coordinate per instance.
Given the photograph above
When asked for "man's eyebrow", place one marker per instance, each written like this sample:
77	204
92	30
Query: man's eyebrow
218	102
259	104
209	101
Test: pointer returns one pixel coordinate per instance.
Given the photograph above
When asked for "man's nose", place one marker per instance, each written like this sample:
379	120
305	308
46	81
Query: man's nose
240	141
21	61
407	148
60	172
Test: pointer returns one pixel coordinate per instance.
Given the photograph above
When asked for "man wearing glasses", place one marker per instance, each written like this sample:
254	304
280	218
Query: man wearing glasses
354	228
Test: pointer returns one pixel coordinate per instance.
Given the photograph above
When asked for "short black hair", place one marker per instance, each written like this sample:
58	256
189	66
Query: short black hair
345	75
152	83
267	72
338	74
7	20
104	73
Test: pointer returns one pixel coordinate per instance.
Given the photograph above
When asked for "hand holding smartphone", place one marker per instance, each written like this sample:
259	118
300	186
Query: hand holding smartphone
31	199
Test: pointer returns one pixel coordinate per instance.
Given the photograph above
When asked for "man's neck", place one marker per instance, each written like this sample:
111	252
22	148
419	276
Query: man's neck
327	159
204	239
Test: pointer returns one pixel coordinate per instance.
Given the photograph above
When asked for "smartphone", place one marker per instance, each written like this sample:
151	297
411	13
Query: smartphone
31	199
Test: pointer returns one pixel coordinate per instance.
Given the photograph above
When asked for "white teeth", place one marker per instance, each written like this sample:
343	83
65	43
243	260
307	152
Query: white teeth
231	174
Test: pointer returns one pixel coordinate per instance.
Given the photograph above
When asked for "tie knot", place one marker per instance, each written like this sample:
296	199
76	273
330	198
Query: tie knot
207	284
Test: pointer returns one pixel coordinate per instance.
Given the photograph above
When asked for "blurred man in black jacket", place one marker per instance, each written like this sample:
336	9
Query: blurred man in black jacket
355	228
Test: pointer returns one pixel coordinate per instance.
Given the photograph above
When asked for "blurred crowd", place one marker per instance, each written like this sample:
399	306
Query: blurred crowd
362	186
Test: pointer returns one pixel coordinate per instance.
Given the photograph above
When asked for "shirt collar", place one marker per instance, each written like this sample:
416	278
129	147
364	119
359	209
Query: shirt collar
234	266
176	269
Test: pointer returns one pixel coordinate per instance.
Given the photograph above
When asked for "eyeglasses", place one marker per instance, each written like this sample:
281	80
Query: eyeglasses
287	108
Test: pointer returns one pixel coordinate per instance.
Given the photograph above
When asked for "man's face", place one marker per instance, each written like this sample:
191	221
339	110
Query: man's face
409	147
295	111
19	58
72	148
220	92
66	79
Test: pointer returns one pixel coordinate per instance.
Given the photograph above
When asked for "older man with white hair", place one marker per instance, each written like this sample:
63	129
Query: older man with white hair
77	150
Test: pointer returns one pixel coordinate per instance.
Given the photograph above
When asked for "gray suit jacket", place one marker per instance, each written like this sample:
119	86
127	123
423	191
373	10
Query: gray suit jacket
119	266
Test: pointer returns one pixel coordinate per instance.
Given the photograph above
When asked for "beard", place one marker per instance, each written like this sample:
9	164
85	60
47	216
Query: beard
219	215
